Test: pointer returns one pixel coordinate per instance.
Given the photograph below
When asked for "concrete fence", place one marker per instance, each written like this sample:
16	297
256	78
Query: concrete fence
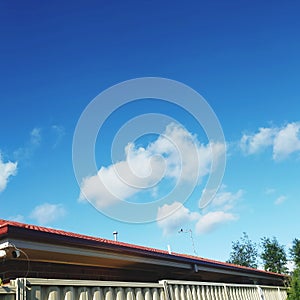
52	289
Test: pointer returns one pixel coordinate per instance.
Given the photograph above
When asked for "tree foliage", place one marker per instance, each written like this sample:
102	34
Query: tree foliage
294	290
244	252
273	256
295	252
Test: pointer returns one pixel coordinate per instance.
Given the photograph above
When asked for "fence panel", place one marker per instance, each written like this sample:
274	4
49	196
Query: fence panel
7	293
52	289
49	289
273	293
221	291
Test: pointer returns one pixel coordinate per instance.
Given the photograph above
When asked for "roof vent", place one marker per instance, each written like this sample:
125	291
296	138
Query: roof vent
115	233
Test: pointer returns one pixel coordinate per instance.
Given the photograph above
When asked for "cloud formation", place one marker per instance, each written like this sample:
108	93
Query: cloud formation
24	153
203	223
177	217
210	221
176	155
226	200
284	141
287	141
47	213
254	143
7	169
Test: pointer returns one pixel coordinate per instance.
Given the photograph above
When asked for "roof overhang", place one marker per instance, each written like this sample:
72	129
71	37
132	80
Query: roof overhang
39	246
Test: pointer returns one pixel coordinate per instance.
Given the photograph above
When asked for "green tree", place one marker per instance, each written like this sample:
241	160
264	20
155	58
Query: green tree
273	256
295	252
244	252
294	290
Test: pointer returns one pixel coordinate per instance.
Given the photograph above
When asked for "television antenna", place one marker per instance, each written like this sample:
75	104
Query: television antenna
191	236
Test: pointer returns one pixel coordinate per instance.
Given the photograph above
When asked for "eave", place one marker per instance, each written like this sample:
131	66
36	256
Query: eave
57	247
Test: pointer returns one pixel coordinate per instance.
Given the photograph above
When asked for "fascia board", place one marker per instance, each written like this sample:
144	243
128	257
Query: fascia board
45	247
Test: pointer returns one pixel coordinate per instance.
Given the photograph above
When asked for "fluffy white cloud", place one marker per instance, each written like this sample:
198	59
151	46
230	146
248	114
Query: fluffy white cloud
283	140
254	143
7	169
280	199
47	213
107	188
174	216
212	220
287	141
184	155
222	203
176	155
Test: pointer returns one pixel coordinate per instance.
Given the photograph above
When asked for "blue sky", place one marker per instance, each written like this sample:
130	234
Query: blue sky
241	56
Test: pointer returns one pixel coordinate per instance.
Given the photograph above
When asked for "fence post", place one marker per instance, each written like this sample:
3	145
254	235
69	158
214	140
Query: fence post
260	292
226	291
21	289
165	285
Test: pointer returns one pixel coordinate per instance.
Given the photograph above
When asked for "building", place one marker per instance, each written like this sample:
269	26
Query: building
40	252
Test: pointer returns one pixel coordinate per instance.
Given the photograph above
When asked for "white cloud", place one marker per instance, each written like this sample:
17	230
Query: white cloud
34	142
226	200
280	199
222	203
174	216
106	188
251	144
212	220
47	213
185	157
287	141
284	140
176	155
7	169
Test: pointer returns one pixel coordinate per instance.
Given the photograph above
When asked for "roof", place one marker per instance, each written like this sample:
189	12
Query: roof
6	225
62	254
